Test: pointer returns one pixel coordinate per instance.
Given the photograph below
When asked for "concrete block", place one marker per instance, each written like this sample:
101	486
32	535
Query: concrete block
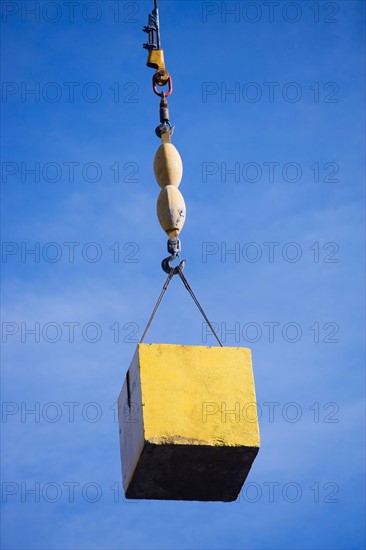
188	422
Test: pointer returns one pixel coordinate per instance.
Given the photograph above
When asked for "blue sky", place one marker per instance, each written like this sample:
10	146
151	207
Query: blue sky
292	131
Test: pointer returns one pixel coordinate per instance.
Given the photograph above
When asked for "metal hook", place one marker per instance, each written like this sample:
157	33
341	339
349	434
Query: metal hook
167	267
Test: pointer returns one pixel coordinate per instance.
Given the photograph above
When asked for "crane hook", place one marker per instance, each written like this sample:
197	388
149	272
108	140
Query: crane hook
167	267
174	247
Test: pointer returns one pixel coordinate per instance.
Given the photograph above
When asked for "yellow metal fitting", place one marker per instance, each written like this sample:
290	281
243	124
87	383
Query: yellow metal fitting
155	60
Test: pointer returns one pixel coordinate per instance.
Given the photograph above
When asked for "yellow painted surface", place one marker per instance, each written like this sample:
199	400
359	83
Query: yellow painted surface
168	167
198	395
171	210
156	60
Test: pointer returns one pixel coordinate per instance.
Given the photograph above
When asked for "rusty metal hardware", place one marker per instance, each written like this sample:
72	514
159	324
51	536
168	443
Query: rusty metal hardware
155	58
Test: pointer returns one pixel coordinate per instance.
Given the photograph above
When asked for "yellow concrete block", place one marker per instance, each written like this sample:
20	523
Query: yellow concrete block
188	422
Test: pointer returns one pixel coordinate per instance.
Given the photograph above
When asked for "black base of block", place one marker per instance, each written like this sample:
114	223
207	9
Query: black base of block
190	472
